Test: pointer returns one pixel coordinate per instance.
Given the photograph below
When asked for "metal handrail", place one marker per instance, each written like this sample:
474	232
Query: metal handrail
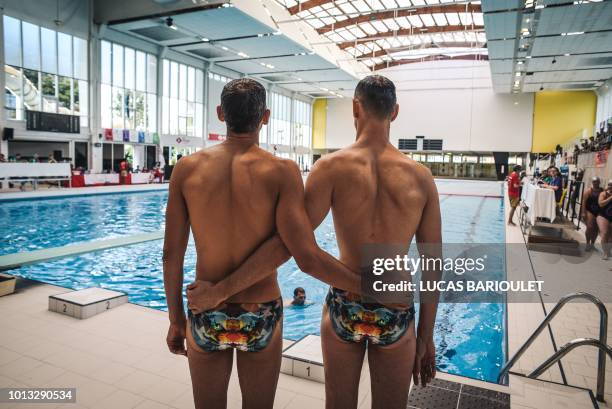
603	339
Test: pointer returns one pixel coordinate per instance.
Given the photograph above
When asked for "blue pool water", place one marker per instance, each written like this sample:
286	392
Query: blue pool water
28	225
470	338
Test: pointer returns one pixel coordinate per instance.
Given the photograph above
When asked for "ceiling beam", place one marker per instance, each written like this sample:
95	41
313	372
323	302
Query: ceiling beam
394	63
409	32
383	15
307	5
380	53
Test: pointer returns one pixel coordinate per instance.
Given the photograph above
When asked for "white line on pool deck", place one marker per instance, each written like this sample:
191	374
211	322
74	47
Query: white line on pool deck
15	260
81	191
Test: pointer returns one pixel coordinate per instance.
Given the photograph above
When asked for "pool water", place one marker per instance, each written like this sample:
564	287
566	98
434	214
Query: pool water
28	225
470	338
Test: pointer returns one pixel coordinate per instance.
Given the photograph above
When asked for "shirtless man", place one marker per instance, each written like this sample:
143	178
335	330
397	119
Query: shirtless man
234	196
377	195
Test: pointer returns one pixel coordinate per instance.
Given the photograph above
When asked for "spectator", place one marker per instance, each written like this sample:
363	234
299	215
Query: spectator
514	184
51	159
604	217
590	210
137	170
2	158
555	183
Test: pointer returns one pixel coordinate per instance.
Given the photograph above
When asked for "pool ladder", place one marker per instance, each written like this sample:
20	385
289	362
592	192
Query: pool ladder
600	343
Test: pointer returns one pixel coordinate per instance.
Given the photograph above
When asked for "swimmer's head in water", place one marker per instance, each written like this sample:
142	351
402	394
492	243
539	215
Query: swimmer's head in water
299	296
376	94
243	105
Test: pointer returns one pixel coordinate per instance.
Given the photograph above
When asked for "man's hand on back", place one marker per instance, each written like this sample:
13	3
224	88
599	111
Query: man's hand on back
203	296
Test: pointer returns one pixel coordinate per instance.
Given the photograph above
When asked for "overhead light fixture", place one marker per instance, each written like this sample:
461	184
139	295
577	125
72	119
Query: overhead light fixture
324	89
204	39
567	54
515	102
224	48
528	57
227	5
270	66
243	55
170	23
518	74
277	33
519	63
573	33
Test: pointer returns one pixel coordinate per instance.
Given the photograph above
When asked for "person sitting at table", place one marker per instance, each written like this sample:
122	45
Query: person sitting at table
137	170
514	184
555	183
51	159
604	217
524	180
590	210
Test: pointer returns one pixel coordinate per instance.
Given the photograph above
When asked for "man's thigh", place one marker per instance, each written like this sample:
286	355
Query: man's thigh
210	374
258	372
391	371
343	361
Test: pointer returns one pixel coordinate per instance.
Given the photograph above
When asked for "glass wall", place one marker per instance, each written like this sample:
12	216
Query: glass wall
182	99
303	124
45	70
128	90
280	119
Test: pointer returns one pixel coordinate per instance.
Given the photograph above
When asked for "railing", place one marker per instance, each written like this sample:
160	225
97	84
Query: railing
601	343
572	203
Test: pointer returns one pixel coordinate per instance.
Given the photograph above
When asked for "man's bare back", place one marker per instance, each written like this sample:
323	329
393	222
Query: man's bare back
378	197
231	191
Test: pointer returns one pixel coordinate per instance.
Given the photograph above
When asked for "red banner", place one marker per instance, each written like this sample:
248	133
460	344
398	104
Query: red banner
601	158
108	134
216	137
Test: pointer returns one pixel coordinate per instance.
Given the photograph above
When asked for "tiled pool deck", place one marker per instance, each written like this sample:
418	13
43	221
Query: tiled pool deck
118	359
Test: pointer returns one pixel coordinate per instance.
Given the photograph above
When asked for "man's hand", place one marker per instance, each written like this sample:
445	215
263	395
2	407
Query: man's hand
425	361
203	296
176	339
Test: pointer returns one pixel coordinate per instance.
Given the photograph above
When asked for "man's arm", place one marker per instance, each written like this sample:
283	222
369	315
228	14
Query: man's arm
429	243
175	244
295	237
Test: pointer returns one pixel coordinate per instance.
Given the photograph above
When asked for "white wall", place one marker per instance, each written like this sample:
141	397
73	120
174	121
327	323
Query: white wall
449	100
604	103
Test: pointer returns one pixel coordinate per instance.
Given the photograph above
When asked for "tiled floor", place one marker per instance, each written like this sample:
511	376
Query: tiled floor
576	320
43	192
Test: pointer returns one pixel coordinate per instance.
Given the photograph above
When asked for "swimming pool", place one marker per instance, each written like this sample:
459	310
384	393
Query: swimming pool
470	338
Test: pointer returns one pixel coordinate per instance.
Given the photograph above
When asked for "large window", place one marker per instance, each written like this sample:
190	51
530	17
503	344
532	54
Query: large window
183	99
303	124
45	70
128	93
280	119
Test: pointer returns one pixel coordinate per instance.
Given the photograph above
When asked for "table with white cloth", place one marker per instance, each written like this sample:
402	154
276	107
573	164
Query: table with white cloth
139	178
101	179
540	202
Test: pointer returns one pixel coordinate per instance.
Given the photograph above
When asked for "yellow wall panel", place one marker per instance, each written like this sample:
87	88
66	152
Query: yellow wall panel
559	116
319	123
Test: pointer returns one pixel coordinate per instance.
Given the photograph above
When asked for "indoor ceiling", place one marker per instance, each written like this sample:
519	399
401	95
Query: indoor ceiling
384	33
228	37
548	44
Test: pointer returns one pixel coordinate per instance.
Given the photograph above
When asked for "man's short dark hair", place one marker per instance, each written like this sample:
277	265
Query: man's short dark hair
377	95
298	290
243	102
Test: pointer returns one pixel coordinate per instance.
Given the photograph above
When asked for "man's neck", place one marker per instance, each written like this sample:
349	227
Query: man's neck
373	133
242	139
